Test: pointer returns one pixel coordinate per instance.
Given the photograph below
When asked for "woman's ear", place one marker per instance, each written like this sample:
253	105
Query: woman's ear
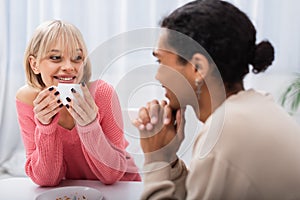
201	64
33	64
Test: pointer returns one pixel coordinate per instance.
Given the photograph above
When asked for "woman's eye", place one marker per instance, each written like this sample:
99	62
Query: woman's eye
55	58
77	59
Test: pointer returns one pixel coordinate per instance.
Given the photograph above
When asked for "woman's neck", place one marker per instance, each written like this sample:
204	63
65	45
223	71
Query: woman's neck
211	98
233	88
66	120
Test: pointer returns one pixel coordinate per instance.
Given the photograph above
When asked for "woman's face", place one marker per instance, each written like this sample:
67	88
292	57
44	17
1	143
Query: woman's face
58	66
176	78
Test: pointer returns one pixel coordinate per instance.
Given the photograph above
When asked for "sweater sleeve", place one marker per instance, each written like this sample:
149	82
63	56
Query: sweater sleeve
103	140
44	150
163	182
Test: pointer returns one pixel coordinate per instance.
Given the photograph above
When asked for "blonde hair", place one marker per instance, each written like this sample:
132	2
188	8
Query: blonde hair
47	34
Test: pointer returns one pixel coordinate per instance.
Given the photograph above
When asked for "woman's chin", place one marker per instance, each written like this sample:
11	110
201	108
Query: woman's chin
174	105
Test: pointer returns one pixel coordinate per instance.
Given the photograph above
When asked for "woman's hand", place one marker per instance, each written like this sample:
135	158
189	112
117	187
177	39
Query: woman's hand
84	110
46	105
161	132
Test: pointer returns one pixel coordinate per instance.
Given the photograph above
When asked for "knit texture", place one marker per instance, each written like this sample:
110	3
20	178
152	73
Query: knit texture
96	151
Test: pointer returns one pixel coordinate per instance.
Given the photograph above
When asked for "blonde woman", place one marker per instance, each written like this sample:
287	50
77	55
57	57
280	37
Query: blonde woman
83	139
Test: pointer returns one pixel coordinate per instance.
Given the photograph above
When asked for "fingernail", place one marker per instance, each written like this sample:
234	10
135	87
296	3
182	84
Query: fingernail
58	101
153	120
142	127
68	99
149	126
166	121
73	90
51	88
61	105
83	84
56	93
67	105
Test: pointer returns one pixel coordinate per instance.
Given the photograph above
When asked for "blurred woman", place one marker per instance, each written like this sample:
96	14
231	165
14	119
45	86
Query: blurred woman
248	147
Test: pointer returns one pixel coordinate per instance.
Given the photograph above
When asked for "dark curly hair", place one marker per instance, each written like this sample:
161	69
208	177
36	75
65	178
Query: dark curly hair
225	32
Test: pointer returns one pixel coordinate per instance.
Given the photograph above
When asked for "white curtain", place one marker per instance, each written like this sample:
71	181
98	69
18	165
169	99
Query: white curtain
100	20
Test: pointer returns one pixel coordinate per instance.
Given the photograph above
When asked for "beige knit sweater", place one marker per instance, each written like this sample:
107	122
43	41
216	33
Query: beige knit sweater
249	148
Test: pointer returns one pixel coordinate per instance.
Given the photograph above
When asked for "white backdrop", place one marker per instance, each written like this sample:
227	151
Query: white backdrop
100	20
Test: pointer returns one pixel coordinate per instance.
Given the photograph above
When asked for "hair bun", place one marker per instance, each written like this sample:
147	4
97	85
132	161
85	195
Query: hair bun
263	56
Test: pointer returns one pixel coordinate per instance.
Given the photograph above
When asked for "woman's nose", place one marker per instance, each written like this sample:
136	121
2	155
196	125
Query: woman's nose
67	66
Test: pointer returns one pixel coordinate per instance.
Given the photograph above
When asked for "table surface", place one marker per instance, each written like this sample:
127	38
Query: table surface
22	188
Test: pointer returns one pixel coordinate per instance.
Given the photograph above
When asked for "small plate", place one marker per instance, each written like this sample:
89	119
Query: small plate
70	193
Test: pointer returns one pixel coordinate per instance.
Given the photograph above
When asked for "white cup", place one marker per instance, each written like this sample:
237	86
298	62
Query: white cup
65	91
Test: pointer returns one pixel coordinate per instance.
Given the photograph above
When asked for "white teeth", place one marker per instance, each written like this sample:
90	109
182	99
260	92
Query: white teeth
65	79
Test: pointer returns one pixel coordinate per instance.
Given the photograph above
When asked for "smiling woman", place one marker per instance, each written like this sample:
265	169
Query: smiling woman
82	139
61	46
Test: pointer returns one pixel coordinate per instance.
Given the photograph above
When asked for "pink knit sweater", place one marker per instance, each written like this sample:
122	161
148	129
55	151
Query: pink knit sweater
96	151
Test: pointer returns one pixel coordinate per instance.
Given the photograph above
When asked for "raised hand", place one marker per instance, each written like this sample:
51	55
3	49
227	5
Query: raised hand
161	131
84	110
46	105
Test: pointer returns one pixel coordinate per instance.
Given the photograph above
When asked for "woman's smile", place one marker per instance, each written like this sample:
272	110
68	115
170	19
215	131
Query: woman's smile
65	78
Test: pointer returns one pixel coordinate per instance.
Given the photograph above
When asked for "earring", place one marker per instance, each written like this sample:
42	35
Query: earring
197	66
198	84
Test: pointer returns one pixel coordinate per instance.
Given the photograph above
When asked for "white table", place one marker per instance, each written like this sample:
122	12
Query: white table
22	188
